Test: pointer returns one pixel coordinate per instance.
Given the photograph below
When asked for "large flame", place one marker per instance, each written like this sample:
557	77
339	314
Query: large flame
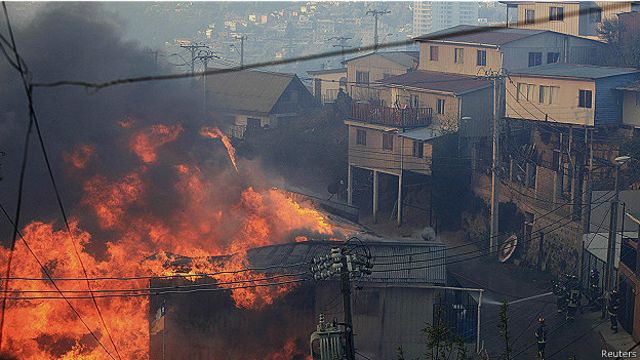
206	220
215	133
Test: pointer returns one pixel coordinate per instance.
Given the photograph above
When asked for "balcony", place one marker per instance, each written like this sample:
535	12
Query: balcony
382	115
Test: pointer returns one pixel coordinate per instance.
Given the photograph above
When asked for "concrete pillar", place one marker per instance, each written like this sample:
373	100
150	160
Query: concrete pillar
375	196
400	198
349	185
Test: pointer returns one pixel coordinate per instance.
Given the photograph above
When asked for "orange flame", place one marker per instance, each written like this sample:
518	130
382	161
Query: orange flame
208	222
215	133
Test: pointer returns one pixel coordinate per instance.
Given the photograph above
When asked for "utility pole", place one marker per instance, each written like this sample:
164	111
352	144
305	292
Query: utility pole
342	44
193	48
242	38
375	14
613	228
495	181
205	56
341	261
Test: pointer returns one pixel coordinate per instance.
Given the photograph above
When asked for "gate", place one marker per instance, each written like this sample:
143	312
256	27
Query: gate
458	311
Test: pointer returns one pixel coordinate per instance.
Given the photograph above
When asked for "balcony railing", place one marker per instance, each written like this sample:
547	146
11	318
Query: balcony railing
383	115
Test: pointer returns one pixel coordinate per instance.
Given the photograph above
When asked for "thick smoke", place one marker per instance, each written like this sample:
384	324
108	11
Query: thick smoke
83	41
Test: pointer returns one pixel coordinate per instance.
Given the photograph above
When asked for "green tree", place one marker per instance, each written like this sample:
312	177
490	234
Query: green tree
442	344
622	46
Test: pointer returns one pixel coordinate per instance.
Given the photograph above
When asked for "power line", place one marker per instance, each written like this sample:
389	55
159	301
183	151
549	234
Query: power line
48	275
428	37
33	121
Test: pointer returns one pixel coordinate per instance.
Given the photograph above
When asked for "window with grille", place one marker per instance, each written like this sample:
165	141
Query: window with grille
440	106
458	55
535	59
553	57
584	99
433	53
362	77
418	149
361	137
387	141
556	13
529	16
481	58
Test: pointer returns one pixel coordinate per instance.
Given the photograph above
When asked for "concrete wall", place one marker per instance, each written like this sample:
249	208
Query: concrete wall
631	108
566	109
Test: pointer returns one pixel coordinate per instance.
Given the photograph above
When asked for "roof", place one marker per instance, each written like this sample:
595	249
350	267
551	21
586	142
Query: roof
574	71
479	35
404	58
422	134
439	81
633	86
426	258
327	71
600	213
251	91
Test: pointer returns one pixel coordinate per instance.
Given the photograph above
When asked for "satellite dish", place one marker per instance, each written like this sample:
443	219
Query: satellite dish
508	248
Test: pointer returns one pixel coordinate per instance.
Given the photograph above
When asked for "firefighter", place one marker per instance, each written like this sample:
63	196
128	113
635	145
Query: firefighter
541	337
559	291
594	287
612	309
573	300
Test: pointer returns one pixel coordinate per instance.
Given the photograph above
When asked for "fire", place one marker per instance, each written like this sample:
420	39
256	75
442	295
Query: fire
215	133
208	216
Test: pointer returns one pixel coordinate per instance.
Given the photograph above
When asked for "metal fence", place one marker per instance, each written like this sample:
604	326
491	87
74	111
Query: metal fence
458	311
590	262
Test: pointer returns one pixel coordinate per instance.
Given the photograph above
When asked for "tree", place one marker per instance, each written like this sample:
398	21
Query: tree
442	344
622	46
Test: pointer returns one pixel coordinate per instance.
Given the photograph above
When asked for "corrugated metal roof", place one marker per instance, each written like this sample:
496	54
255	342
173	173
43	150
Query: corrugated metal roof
422	134
439	81
251	91
395	262
405	58
575	71
479	35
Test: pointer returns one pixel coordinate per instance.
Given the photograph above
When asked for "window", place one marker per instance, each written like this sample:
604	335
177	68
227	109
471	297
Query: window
433	53
386	75
553	57
361	137
418	149
458	55
481	59
556	13
440	106
548	95
387	141
362	77
529	16
584	99
535	59
525	92
414	101
253	123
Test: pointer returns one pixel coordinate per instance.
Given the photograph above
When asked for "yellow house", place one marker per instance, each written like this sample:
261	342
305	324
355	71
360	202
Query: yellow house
568	94
327	83
472	50
579	18
362	71
394	137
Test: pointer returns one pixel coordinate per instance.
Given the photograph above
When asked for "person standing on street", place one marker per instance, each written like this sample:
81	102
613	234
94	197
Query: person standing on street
612	309
541	337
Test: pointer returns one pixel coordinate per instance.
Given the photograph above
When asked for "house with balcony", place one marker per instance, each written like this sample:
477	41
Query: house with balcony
327	83
255	100
472	50
579	18
364	71
563	122
394	139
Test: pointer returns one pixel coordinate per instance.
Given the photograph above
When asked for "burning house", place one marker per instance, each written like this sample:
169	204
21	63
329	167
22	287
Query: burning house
390	306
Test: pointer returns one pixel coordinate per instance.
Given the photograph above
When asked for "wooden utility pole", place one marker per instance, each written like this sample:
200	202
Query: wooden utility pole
495	181
193	48
242	38
345	282
342	44
205	56
375	14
